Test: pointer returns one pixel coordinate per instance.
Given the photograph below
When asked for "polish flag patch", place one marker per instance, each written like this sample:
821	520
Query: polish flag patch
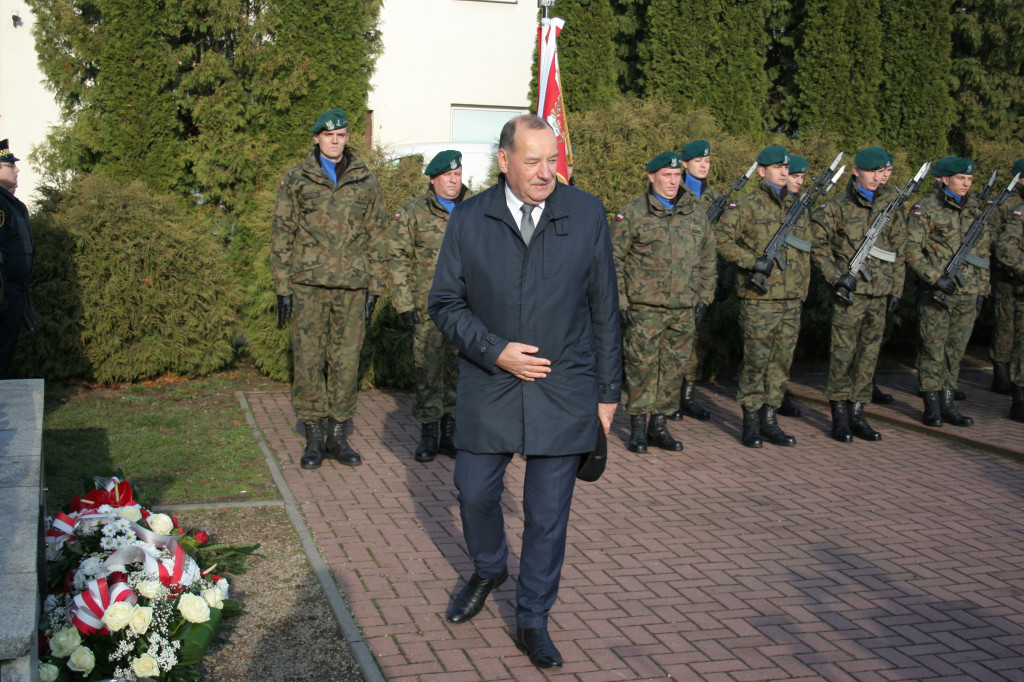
619	217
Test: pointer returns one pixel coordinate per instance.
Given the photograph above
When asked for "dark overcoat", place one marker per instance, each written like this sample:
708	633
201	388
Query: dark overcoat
559	294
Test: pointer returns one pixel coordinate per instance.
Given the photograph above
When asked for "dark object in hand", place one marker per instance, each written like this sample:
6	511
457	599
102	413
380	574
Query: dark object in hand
411	318
764	266
946	285
284	310
848	282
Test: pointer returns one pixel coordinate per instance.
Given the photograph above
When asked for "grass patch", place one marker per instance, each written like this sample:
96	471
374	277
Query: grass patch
178	440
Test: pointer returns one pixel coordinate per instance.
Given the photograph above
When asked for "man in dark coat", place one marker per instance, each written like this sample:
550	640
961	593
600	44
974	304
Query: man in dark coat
17	257
525	289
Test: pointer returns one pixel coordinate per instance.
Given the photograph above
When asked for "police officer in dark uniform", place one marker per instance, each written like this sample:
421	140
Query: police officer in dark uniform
17	257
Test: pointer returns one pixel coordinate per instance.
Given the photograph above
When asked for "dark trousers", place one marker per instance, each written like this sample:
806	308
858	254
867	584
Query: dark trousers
547	497
10	326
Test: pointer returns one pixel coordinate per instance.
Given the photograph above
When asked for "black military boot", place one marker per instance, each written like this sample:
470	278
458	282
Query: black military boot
788	407
337	444
859	424
313	457
658	435
959	395
751	428
1017	406
770	427
447	446
932	414
427	449
637	433
841	421
689	406
1001	378
949	412
878	397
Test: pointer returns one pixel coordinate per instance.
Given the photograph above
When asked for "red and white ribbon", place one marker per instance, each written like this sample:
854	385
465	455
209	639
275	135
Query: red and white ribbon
89	607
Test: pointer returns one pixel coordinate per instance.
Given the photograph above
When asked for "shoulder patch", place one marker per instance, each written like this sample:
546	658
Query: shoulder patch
821	207
732	205
917	207
916	214
989	202
397	216
1016	213
620	217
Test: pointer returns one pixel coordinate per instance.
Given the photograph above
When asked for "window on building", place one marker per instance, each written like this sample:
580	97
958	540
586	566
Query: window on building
480	124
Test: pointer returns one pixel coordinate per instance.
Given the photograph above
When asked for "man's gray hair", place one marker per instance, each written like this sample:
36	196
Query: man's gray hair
507	140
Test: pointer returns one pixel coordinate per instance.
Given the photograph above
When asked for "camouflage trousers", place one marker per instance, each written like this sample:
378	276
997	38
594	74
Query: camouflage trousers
1001	347
770	331
328	327
656	349
436	372
857	331
1017	356
942	339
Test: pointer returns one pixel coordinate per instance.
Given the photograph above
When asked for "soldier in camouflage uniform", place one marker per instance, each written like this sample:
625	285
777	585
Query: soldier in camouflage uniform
1009	250
415	239
771	320
861	303
665	256
1004	283
877	396
794	183
327	254
946	311
696	158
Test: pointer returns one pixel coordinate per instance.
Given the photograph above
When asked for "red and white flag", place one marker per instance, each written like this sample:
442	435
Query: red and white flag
549	92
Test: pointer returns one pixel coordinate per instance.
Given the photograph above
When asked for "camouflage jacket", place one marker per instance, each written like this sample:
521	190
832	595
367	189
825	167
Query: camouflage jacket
743	233
326	235
1009	246
839	226
708	195
936	227
414	241
664	257
1005	219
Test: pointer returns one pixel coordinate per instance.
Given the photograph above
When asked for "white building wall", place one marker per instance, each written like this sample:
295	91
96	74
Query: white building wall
444	53
27	109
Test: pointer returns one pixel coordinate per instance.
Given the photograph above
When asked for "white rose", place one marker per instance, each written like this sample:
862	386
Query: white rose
118	615
145	666
214	597
48	672
161	523
150	589
64	642
82	660
131	513
223	586
142	616
193	608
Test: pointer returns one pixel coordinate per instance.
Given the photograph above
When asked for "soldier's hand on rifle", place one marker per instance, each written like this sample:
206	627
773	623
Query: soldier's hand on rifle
284	310
979	304
946	285
411	318
698	313
848	282
625	318
894	302
371	303
764	266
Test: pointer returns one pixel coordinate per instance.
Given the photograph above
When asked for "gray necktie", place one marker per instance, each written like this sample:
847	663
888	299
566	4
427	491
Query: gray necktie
527	227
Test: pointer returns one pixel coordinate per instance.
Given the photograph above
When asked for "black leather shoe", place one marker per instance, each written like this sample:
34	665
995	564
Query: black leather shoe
313	457
751	429
427	449
537	644
788	408
880	398
338	447
658	435
471	599
949	412
637	433
841	421
770	430
932	413
1001	383
859	423
689	406
959	395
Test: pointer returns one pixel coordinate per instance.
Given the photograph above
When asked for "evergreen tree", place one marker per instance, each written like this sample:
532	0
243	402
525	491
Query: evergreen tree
586	54
782	31
839	68
629	32
709	54
988	71
915	105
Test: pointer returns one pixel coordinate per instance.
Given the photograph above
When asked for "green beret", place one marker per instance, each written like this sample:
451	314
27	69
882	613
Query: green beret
1018	167
871	159
664	160
772	155
939	167
695	150
445	161
889	160
797	164
958	164
331	120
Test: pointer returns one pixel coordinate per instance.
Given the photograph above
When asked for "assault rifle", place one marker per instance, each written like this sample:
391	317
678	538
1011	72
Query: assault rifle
987	188
783	236
867	247
717	208
965	254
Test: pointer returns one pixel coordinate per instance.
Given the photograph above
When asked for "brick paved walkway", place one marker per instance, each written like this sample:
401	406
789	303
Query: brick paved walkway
900	560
